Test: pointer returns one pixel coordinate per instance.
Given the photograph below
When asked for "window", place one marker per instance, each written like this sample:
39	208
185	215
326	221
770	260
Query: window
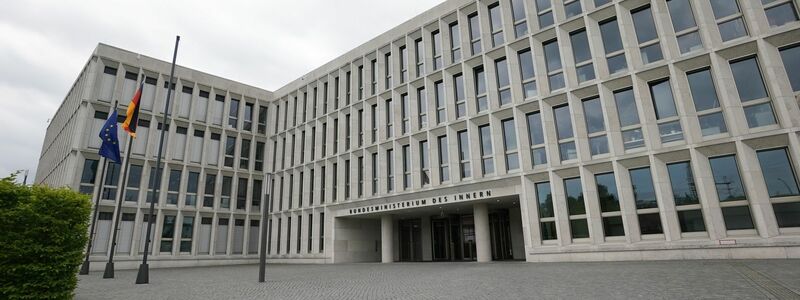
646	35
496	24
791	62
389	119
595	126
403	65
487	158
628	113
389	170
544	9
174	187
475	33
686	30
518	12
555	74
779	12
612	44
510	144
227	185
347	179
248	117
424	162
374	173
360	79
360	174
244	157
406	167
536	138
781	181
547	220
422	108
321	232
289	234
255	196
262	119
706	103
134	182
374	122
310	221
230	150
322	182
191	189
609	204
731	193
455	42
441	112
684	193
311	181
752	92
233	114
167	234
576	208
644	195
460	97
436	36
503	81
324	142
730	20
336	85
404	114
669	125
360	129
187	232
347	140
374	76
419	48
566	139
335	136
88	176
241	194
480	89
348	84
444	159
463	154
583	55
387	62
572	8
111	181
527	73
210	190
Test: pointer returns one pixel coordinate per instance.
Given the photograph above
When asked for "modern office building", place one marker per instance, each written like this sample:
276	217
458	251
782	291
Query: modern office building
479	130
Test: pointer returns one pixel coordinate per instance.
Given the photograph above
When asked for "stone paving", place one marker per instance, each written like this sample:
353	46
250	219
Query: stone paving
730	279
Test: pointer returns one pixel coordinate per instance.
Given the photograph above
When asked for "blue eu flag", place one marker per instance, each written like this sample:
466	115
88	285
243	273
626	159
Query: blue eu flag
110	147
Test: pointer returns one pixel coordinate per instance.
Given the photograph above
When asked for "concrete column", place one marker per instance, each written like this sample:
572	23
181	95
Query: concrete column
482	239
387	239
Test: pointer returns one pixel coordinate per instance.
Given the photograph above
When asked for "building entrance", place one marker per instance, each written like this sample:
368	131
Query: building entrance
453	237
410	240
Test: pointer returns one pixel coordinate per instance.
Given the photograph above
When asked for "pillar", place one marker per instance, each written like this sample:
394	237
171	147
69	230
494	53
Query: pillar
482	239
387	239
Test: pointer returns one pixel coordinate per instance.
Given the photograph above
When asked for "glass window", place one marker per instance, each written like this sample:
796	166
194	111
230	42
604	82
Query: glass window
633	138
518	11
650	223
598	145
737	217
791	62
480	89
444	159
504	92
704	94
759	115
724	8
575	205
553	58
475	33
593	112
683	186
544	8
526	63
661	92
711	124
545	199
612	226
691	221
626	107
748	79
510	143
607	192
612	43
680	11
778	173
441	113
788	214
781	14
463	154
644	25
486	149
424	162
579	228
496	24
567	151
580	46
548	230
455	42
572	8
535	134
643	191
458	87
563	122
726	178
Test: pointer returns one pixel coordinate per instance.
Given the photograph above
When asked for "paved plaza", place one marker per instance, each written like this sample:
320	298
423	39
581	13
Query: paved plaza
761	279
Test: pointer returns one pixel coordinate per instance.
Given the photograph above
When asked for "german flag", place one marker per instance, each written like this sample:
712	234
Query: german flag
132	119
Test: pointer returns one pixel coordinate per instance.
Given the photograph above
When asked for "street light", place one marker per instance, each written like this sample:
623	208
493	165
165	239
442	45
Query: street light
262	259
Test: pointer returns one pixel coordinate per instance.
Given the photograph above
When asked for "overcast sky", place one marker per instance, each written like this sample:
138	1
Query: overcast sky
267	44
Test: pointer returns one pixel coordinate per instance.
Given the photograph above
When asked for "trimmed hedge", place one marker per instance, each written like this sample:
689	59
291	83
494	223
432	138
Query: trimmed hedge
43	233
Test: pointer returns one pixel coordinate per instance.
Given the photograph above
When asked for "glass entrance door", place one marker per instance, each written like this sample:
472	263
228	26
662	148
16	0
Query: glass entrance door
468	238
441	239
500	230
410	240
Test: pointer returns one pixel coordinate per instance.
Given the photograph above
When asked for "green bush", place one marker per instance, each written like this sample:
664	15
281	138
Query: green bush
43	232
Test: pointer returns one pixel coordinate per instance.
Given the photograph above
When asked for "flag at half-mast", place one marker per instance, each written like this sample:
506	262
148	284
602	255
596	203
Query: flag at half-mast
132	119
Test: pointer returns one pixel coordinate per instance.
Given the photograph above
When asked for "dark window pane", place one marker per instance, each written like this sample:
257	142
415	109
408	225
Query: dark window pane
643	191
680	11
691	221
579	228
748	80
781	14
726	178
712	124
545	198
644	25
682	181
612	226
704	94
791	62
526	64
650	224
626	107
572	9
732	29
552	56
651	53
609	30
574	191
724	8
662	99
778	173
501	67
759	115
580	46
563	122
690	42
535	128
593	112
607	192
737	217
788	214
549	231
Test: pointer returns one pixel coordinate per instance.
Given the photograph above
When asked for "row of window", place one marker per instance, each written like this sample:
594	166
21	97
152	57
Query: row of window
298	237
778	174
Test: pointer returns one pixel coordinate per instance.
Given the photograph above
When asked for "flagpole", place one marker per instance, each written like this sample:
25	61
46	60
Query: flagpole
103	167
144	271
109	272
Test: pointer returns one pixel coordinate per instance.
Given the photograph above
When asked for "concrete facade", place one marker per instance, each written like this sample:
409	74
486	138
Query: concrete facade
473	111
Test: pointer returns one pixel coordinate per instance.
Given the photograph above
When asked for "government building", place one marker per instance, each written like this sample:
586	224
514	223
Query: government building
535	130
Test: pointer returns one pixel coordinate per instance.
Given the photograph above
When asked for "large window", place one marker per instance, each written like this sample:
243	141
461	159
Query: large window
555	74
455	42
406	167
436	36
209	190
88	176
730	20
496	24
576	208
444	159
791	62
669	126
487	153
646	35
566	138
463	155
609	204
547	220
612	44
644	195
520	23
404	114
403	65
167	234
419	50
503	82
632	136
510	144
684	192
441	112
779	12
572	8
389	170
389	114
527	73
782	186
460	96
544	9
475	33
233	114
706	103
134	182
482	101
731	193
422	108
174	186
191	189
752	92
686	30
583	55
424	163
536	139
595	126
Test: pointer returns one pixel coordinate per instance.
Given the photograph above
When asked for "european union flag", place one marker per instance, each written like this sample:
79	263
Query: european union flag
110	147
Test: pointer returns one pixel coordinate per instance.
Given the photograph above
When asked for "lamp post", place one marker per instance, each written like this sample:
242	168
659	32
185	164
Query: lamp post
262	259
